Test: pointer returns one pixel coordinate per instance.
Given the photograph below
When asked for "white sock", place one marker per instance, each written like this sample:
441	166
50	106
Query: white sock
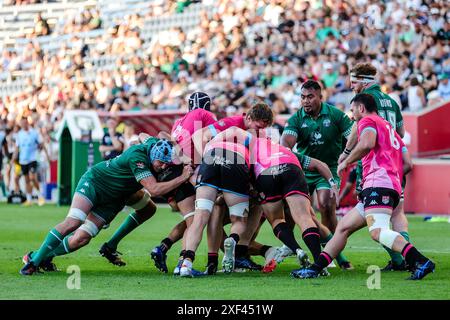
29	197
187	263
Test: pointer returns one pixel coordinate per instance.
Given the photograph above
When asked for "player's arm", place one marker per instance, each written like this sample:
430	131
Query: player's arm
323	169
157	189
399	127
407	162
290	133
366	143
352	139
234	134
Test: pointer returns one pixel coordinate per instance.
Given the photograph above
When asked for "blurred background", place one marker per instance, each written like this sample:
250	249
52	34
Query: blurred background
135	62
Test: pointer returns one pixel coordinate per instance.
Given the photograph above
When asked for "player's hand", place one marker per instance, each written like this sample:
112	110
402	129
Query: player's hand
341	167
143	136
342	157
188	171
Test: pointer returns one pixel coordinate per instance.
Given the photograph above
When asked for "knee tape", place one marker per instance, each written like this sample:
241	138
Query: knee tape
90	228
387	237
204	204
77	214
190	214
142	203
360	207
378	220
240	209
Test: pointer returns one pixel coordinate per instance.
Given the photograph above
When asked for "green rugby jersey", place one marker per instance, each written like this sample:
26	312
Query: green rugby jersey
320	138
119	177
388	109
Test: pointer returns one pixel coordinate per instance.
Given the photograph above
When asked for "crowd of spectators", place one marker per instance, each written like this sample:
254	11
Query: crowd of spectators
240	52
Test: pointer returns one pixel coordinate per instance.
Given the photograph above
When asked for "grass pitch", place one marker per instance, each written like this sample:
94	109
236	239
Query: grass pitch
23	229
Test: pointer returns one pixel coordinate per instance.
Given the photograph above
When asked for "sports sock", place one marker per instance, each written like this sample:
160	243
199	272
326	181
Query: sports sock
29	197
263	250
166	244
182	252
241	251
341	258
311	237
322	261
396	257
189	254
412	255
51	242
130	223
62	249
286	235
235	236
213	258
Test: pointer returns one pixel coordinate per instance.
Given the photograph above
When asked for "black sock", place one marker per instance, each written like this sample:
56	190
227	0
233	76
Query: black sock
311	237
286	235
182	252
322	262
412	255
241	251
213	258
189	254
235	236
263	250
166	244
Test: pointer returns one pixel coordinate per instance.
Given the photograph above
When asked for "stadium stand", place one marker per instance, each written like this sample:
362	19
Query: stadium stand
96	54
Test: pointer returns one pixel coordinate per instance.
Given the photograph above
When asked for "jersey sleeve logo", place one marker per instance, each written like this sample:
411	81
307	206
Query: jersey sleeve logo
140	165
221	123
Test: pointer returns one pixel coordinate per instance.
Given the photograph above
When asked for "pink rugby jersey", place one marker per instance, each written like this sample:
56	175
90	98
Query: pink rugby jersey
265	154
228	122
184	128
383	165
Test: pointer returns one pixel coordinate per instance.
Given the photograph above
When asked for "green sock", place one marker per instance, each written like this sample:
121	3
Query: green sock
62	249
130	223
396	257
51	242
340	257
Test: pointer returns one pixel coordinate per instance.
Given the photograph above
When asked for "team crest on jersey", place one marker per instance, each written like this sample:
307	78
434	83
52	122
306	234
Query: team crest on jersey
140	165
326	122
385	199
316	139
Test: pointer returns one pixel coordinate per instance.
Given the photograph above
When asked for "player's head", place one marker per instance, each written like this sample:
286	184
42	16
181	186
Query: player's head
362	76
311	97
362	105
161	155
259	116
199	100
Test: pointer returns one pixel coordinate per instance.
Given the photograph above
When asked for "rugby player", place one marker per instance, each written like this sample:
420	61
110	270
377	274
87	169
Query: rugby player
382	152
362	78
102	192
317	130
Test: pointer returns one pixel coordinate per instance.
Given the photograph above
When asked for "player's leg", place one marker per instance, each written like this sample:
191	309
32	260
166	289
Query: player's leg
378	207
238	206
399	224
327	208
243	260
351	222
36	189
204	203
186	205
144	210
78	212
28	185
215	234
325	236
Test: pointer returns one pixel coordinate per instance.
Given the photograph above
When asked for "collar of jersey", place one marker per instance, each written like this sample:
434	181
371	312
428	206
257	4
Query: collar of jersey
375	86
